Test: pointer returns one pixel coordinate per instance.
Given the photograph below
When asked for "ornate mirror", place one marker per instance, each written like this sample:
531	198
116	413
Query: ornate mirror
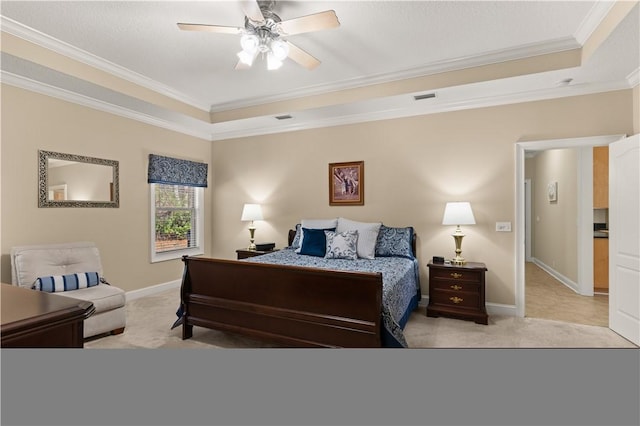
67	180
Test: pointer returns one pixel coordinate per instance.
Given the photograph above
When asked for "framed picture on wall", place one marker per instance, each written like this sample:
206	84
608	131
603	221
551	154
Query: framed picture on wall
552	192
346	184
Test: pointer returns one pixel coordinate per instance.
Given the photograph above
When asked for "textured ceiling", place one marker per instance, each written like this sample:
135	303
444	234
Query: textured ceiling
377	41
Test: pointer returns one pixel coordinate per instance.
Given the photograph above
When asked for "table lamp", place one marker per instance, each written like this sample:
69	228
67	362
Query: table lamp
458	213
251	212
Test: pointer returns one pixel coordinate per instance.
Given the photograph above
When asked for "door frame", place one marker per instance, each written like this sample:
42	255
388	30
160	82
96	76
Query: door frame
527	220
542	145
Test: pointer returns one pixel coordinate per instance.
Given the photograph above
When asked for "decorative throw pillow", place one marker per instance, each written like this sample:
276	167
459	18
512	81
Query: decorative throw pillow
315	224
67	282
395	242
314	242
367	235
296	239
341	245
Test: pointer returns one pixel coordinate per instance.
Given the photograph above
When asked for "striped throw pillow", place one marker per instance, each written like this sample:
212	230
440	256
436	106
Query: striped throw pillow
57	283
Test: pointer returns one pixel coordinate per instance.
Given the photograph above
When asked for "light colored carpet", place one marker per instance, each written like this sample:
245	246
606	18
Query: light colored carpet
149	320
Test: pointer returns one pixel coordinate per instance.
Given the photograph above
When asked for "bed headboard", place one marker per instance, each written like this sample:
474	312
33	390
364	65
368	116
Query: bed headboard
292	234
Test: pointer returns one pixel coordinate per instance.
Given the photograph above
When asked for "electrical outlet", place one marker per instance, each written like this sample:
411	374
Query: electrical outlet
503	226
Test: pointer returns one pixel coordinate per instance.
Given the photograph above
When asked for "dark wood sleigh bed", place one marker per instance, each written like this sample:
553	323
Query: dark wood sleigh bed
291	305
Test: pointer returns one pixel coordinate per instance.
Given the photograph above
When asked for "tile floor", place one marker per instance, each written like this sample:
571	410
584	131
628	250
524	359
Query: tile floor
547	298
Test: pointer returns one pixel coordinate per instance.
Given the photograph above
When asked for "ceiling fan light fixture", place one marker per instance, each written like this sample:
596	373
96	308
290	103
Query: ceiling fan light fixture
273	63
249	43
262	31
246	57
280	49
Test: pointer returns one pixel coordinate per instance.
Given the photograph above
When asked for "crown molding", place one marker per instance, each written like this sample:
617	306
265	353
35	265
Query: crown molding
76	98
41	39
425	109
488	58
634	77
413	110
594	17
393	113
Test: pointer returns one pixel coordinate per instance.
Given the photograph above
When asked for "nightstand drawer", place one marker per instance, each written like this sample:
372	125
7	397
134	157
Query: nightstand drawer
457	291
455	285
455	298
456	275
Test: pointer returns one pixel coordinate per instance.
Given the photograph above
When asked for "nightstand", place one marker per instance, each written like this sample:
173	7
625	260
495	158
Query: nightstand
245	253
457	291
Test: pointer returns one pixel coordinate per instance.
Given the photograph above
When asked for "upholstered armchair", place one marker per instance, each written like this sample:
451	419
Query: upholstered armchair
43	267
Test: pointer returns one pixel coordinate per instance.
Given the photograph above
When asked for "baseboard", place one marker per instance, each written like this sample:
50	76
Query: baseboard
501	309
492	308
557	275
154	289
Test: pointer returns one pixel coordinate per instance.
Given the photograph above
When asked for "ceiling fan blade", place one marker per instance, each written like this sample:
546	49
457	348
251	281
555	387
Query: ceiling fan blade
251	9
305	24
210	28
300	56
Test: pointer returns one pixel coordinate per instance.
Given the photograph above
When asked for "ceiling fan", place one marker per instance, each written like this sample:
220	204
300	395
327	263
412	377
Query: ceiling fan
263	34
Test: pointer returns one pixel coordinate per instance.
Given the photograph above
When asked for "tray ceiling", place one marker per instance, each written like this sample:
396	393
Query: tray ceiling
382	54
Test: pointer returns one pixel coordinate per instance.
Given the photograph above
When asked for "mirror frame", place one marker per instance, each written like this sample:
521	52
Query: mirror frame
43	180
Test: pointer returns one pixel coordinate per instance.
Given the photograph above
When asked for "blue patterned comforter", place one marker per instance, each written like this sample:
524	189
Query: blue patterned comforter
400	284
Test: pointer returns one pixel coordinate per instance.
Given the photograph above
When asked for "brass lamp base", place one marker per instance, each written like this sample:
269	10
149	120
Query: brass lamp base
457	236
252	230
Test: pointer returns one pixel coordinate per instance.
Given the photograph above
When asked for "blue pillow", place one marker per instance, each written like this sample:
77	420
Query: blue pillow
68	282
395	242
314	242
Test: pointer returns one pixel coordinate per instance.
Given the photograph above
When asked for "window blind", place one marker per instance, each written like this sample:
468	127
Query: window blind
175	171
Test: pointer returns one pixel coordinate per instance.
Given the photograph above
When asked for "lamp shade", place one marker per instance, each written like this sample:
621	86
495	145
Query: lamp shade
280	49
251	212
458	213
250	43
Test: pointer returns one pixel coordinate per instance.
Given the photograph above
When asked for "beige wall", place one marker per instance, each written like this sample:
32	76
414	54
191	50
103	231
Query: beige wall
636	110
554	225
31	122
413	166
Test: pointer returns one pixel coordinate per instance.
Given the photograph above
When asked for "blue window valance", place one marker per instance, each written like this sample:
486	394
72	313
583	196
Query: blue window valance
174	171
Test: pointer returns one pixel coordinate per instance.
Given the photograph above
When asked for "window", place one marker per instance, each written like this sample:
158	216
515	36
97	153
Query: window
177	207
177	225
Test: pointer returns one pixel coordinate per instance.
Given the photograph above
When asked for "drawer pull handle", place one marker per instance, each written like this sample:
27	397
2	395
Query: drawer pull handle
456	275
456	287
456	299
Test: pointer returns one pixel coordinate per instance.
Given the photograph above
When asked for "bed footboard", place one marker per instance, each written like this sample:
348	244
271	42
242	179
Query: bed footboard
294	306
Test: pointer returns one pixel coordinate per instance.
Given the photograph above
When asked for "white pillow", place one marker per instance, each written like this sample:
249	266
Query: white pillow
367	235
315	224
341	245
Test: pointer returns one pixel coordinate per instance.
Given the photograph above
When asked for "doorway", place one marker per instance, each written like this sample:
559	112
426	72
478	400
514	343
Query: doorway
584	247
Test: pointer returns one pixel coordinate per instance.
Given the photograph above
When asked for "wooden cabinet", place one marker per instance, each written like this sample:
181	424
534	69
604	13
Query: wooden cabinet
34	319
601	265
600	177
245	253
457	291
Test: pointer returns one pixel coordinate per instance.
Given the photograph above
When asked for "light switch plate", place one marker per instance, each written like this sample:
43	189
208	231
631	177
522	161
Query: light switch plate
503	226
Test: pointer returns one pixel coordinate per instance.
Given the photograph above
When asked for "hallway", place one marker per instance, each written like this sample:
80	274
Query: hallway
547	298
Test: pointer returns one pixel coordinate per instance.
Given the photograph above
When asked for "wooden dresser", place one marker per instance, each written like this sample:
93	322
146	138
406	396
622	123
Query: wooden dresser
457	291
35	319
